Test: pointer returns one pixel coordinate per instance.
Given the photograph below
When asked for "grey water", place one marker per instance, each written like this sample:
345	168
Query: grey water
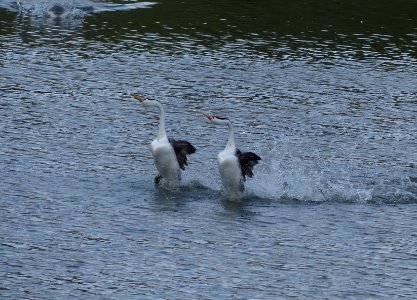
324	91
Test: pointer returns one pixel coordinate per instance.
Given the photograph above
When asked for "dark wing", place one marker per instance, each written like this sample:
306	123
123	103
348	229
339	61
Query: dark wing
182	148
247	161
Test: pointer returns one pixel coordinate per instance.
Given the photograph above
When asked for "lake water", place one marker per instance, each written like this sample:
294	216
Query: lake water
324	91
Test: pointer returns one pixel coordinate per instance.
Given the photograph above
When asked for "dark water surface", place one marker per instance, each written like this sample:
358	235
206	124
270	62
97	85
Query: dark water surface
324	91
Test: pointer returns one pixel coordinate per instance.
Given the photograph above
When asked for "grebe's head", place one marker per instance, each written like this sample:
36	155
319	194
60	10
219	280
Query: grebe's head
148	103
216	120
139	98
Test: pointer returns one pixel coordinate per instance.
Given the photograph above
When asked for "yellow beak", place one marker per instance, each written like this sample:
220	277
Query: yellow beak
139	98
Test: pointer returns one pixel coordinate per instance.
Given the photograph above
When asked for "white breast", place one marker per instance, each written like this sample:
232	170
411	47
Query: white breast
230	172
165	161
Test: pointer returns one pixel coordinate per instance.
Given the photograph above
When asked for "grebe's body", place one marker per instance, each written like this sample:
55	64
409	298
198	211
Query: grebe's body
165	161
230	172
234	165
170	156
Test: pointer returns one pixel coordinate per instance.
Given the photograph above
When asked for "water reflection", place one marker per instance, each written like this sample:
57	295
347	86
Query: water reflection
275	29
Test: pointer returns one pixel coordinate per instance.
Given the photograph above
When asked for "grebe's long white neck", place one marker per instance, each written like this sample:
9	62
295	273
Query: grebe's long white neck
231	140
161	129
162	135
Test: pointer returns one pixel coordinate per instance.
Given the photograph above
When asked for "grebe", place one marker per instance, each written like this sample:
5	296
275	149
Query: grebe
234	165
169	155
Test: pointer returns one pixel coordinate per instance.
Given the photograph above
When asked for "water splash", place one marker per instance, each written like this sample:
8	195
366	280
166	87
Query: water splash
285	176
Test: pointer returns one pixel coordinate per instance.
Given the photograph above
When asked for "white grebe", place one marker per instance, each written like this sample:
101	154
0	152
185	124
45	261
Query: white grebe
169	155
234	165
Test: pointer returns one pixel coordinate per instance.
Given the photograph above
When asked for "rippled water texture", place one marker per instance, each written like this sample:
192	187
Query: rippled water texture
325	93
